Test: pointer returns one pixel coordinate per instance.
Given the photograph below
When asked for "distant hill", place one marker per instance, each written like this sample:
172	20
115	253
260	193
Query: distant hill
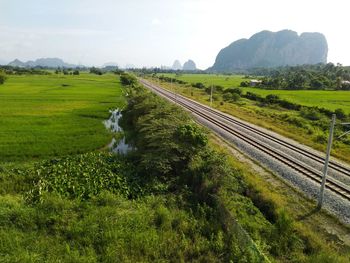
189	65
43	62
176	65
272	49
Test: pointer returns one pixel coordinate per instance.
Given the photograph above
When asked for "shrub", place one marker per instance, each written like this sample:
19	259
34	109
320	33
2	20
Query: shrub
127	79
271	99
310	114
321	138
96	71
340	114
253	96
82	177
234	90
2	78
231	97
245	84
198	85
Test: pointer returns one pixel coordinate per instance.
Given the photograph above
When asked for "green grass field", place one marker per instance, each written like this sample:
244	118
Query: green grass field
327	99
226	81
55	115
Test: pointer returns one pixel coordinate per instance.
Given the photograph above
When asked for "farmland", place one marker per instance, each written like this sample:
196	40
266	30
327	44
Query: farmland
320	98
43	116
210	79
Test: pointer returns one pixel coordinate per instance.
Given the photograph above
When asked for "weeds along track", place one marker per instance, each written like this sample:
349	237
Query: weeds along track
228	124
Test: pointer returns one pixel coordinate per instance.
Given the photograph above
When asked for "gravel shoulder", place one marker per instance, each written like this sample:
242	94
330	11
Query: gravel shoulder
300	206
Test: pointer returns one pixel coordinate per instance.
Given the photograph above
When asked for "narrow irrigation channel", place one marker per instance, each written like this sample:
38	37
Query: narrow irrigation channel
116	146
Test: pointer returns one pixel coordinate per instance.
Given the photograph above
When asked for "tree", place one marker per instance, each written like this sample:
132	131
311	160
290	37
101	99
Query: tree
2	78
76	72
96	71
272	98
128	80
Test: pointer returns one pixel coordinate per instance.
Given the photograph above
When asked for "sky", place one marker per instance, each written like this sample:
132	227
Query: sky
156	32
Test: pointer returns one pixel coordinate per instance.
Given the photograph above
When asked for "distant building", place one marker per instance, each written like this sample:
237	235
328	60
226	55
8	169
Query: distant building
254	82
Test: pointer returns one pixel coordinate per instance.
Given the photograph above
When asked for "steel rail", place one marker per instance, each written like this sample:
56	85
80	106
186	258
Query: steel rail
332	184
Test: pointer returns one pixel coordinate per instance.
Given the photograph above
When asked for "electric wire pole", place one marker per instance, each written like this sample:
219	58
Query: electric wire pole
211	96
325	169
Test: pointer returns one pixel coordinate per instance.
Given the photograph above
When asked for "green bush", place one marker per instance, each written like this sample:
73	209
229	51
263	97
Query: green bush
310	114
340	114
234	91
234	97
127	79
81	177
2	78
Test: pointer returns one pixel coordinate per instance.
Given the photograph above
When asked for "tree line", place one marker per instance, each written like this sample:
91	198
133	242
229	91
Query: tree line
312	77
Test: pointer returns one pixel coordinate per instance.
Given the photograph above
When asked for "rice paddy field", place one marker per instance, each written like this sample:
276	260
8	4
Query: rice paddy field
226	81
322	98
55	115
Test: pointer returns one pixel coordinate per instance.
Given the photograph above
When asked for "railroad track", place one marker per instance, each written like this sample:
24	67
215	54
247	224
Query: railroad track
209	115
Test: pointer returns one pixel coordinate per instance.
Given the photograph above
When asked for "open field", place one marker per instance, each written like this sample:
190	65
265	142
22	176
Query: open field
226	81
321	98
54	115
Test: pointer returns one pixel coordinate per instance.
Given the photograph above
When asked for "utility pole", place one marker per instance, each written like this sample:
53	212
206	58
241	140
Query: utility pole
325	169
211	96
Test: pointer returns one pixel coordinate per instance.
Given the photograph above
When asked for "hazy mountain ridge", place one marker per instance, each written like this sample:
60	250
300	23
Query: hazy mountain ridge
189	65
43	62
273	49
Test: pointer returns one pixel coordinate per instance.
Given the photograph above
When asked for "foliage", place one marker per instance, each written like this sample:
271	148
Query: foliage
10	70
96	71
127	79
316	77
231	97
310	114
81	177
2	78
198	85
234	90
340	114
158	126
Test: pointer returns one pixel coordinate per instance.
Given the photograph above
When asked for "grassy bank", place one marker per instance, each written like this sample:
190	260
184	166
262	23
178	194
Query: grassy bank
54	115
322	232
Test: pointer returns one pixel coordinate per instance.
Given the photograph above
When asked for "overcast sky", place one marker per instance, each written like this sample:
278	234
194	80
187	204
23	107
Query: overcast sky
156	32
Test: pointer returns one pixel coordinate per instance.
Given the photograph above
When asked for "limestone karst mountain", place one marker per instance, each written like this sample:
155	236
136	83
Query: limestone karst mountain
272	49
